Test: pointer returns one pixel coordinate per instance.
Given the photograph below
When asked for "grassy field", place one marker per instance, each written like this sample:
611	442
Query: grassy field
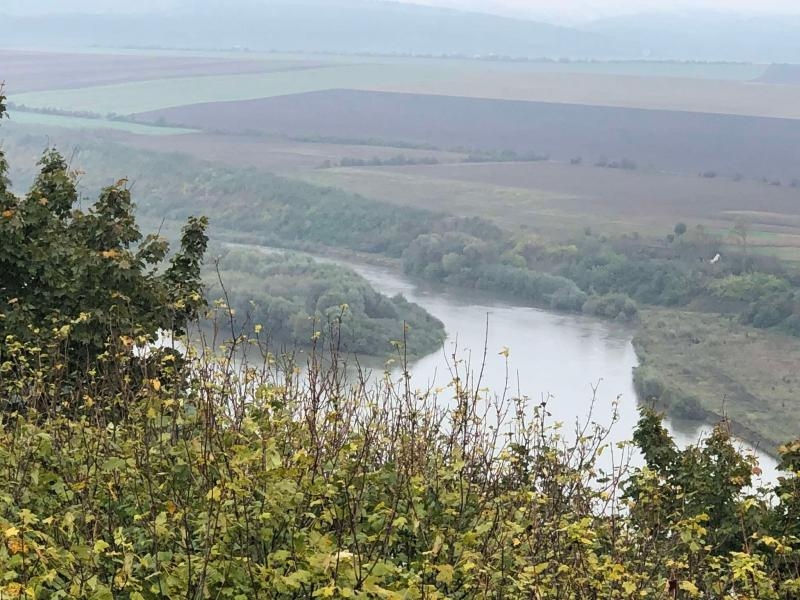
659	140
536	211
750	375
26	71
556	199
135	97
50	121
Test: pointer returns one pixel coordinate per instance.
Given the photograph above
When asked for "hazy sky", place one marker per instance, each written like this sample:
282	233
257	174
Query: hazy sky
587	9
552	10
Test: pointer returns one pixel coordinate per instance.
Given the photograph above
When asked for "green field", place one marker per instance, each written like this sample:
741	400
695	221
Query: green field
30	118
134	97
747	374
557	200
514	208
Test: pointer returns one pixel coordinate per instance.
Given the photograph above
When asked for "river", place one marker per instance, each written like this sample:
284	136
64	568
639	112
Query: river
561	358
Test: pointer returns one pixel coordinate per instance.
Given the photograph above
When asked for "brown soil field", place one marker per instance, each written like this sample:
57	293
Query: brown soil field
25	71
548	197
276	155
672	141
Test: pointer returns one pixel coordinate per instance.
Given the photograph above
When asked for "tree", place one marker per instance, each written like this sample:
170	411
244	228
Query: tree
680	229
88	280
741	231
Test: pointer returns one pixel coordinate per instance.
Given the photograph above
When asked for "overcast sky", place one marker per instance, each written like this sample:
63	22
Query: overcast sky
588	9
566	11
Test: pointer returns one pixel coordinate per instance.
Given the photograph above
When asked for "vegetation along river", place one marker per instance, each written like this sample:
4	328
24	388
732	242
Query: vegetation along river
562	358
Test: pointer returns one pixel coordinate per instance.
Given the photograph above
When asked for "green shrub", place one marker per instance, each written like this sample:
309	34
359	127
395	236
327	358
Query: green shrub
224	480
611	306
293	297
749	287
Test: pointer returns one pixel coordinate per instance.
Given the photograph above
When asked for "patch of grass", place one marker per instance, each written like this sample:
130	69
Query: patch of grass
143	96
554	199
750	375
514	208
29	118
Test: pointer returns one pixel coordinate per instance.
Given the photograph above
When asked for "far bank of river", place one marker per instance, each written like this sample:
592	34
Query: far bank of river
560	358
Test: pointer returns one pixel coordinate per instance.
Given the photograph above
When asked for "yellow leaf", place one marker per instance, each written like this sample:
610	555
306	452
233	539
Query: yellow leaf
629	587
156	384
445	574
325	592
15	545
688	586
8	214
13	590
11	532
437	544
540	568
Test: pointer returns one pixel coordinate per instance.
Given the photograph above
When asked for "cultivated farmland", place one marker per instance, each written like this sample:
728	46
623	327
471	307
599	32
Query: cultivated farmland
657	140
552	199
69	122
281	155
36	71
704	88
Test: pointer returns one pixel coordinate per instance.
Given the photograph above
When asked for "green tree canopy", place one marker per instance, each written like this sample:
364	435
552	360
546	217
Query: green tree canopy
88	278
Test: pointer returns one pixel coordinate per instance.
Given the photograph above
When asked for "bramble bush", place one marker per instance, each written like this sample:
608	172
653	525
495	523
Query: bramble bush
246	476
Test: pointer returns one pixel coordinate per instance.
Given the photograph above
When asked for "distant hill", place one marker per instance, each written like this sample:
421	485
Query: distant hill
348	26
712	36
381	27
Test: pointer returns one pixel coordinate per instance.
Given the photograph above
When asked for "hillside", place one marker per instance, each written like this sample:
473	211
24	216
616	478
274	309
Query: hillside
341	26
705	35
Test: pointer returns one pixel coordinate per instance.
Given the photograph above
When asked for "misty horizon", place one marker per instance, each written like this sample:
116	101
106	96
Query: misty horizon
575	12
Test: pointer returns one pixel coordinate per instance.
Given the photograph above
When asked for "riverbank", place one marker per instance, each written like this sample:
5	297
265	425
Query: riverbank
705	366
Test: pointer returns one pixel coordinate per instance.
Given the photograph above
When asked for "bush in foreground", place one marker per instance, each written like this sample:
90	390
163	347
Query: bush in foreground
229	480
